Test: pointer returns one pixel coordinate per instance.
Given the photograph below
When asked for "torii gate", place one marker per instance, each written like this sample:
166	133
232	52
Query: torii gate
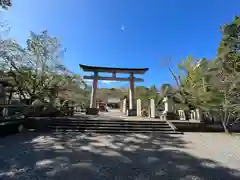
96	70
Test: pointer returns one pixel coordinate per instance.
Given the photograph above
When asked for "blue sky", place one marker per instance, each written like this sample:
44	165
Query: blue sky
153	30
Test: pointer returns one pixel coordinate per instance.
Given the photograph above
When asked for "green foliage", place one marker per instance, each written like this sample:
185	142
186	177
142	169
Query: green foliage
5	4
214	85
36	70
152	93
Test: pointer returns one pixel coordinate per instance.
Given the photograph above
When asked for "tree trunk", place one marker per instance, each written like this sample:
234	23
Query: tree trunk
225	111
225	127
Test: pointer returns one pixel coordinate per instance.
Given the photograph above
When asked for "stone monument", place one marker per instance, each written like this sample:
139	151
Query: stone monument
198	114
139	107
152	108
124	108
193	115
181	115
121	106
169	108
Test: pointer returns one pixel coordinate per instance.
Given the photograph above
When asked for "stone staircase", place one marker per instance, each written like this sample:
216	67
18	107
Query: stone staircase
111	126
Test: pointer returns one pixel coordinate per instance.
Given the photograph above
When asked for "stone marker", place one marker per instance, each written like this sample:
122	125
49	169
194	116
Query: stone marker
163	116
169	109
182	115
192	115
198	114
139	107
168	104
152	108
121	106
124	108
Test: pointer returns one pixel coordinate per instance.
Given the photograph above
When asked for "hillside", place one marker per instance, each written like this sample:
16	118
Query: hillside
105	93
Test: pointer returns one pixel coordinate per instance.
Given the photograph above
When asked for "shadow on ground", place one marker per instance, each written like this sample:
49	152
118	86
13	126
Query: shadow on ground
74	156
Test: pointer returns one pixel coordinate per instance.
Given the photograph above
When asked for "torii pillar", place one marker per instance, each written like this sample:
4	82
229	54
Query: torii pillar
131	92
93	103
131	71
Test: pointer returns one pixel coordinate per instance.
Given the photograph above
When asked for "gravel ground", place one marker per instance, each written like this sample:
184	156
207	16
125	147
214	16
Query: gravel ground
75	156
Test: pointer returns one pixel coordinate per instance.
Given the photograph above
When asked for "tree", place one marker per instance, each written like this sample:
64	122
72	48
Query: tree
38	67
229	48
227	88
5	4
189	81
226	68
153	93
37	70
214	85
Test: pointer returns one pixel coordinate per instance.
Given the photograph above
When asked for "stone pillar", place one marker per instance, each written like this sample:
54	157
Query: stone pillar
198	114
182	115
131	92
94	91
121	106
192	115
168	105
149	108
139	107
124	108
163	116
169	109
152	108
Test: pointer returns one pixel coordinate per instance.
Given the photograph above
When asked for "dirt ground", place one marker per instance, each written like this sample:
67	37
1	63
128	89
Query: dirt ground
75	156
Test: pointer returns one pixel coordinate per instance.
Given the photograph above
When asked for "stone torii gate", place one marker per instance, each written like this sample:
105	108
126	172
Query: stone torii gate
96	70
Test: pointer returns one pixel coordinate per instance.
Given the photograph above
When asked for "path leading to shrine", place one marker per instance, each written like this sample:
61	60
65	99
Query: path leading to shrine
116	114
75	156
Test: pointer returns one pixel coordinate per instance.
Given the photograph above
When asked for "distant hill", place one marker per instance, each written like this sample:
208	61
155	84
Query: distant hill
105	93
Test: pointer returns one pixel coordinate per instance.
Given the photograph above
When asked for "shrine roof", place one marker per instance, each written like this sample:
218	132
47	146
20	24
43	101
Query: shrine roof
113	70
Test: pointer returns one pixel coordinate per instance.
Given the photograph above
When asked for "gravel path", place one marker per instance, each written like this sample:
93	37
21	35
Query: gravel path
76	156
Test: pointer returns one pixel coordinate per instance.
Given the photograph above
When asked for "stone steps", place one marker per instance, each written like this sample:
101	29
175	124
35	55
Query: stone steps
109	123
111	126
133	128
117	131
